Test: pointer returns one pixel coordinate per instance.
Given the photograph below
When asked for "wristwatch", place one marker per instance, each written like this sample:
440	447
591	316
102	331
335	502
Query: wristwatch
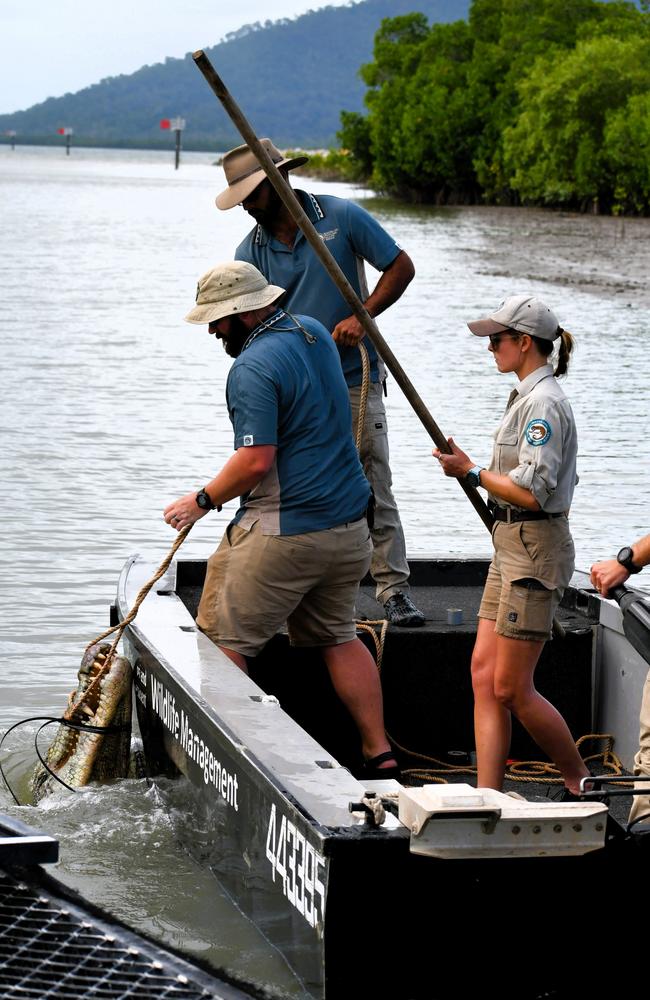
625	557
473	477
205	503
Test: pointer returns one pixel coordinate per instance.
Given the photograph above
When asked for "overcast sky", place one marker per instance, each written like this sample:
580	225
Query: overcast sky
50	47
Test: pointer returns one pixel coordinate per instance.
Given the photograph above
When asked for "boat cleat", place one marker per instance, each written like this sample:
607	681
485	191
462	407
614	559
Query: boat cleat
458	821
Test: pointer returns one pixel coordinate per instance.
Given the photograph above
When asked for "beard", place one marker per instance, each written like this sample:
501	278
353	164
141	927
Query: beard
266	216
237	336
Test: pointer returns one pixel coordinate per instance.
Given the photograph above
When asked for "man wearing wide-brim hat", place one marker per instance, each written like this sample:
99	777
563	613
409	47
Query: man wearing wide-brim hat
278	248
299	543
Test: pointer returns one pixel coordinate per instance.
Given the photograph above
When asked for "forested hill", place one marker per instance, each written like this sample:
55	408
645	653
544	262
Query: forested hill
291	78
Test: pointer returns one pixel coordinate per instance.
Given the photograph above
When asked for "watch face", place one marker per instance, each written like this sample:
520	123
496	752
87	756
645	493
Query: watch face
625	557
203	500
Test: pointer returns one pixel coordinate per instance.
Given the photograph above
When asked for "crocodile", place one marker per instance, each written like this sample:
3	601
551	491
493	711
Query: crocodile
79	757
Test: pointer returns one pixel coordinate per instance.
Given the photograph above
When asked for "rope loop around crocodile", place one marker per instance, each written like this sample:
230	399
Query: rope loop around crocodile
121	626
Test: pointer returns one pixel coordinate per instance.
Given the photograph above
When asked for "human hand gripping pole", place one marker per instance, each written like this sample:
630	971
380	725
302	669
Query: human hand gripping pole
292	204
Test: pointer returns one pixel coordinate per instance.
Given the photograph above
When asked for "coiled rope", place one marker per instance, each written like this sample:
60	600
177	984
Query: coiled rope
531	771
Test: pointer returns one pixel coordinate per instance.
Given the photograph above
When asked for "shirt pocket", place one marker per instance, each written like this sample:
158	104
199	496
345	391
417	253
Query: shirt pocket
506	449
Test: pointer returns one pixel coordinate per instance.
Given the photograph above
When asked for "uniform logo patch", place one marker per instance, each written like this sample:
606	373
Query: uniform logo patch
248	440
538	431
329	235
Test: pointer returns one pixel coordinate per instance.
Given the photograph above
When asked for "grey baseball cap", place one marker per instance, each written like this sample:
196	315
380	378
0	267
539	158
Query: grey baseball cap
523	313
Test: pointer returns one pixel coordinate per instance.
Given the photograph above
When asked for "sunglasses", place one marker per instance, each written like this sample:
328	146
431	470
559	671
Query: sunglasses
496	338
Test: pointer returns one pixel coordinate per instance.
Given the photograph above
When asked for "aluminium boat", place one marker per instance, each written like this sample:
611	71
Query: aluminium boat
458	889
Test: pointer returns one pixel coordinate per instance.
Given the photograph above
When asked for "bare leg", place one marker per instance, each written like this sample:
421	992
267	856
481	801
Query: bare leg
355	677
237	658
492	722
515	664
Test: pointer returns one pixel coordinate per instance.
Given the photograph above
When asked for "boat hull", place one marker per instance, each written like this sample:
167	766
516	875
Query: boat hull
266	808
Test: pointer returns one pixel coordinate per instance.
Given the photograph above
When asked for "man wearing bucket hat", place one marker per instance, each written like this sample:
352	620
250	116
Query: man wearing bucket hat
278	248
299	544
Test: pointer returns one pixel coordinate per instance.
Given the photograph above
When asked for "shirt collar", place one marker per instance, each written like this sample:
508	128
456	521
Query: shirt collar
269	322
310	205
533	378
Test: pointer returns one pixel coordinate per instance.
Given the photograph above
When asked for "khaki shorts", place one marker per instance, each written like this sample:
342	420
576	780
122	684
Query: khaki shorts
540	553
255	583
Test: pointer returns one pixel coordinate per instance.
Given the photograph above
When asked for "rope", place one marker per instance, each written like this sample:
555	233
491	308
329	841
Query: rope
376	807
363	397
121	626
367	626
533	771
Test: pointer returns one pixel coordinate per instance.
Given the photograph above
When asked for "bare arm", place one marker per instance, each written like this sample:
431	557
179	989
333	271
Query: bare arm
610	573
458	465
242	472
390	287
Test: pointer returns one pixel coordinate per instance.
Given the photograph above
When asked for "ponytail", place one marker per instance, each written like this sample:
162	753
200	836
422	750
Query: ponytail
567	344
546	348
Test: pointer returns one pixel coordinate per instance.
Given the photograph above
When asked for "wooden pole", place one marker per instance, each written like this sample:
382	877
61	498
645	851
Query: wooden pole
318	246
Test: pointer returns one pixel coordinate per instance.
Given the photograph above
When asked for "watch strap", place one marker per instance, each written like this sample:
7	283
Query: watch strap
625	557
473	477
207	501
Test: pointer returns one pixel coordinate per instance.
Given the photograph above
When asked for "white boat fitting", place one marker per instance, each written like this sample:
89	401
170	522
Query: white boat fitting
459	821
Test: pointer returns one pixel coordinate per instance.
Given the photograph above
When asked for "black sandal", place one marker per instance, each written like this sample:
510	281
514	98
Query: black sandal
374	772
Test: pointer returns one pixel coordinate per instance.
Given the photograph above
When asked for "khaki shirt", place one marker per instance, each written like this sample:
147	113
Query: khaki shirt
536	443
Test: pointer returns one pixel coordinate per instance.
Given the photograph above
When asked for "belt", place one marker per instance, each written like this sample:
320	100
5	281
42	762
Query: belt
509	515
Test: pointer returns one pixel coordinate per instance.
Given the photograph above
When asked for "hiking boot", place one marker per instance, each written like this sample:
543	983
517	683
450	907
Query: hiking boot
400	610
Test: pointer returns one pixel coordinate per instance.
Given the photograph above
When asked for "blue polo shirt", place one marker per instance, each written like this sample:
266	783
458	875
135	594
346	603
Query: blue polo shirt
351	235
286	389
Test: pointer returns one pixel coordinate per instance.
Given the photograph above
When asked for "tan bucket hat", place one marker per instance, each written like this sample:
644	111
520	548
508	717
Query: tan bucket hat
243	172
523	313
233	287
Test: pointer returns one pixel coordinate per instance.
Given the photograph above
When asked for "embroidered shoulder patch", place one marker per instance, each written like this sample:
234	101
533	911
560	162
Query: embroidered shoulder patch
248	440
538	431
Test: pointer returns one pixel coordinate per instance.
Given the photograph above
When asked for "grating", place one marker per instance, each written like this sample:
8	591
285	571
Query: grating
50	948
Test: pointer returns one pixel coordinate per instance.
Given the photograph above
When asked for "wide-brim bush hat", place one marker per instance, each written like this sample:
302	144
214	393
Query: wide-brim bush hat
243	172
233	287
523	313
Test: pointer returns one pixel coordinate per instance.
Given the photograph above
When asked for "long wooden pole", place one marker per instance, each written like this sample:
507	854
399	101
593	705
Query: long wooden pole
347	291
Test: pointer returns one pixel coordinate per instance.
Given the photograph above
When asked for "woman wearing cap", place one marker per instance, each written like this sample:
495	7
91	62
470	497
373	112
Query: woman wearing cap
530	482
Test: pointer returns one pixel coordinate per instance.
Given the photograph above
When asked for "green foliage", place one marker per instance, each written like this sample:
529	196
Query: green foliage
627	140
434	125
354	137
556	152
542	101
334	165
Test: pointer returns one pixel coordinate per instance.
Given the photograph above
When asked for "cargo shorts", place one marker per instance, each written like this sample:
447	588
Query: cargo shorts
532	565
255	583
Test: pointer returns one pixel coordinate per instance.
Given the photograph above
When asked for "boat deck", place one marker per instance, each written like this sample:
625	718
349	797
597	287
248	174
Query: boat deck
438	587
425	671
